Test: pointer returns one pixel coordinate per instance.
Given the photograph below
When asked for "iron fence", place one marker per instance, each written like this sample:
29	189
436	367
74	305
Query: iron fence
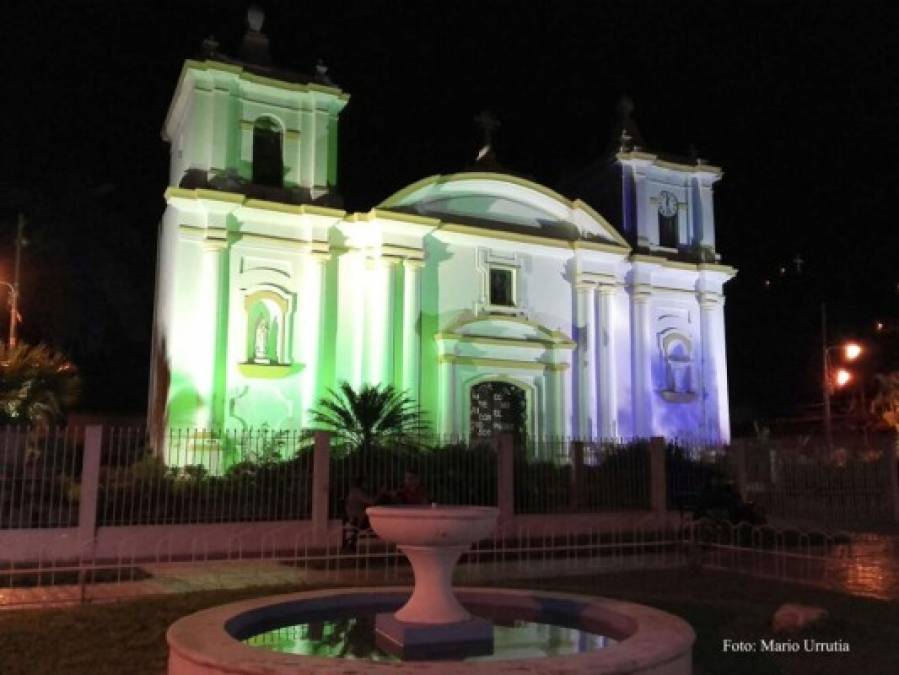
228	476
821	557
451	472
40	473
572	475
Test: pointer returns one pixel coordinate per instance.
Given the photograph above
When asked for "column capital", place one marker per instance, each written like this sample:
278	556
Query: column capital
606	288
710	299
641	293
214	244
413	263
318	257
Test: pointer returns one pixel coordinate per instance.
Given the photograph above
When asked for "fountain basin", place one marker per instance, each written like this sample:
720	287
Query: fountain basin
649	641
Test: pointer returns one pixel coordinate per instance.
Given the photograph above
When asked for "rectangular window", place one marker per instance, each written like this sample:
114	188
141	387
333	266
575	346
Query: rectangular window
501	287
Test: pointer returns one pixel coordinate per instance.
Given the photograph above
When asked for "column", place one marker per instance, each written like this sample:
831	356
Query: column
606	359
311	311
585	363
446	399
411	339
714	366
647	225
378	326
350	309
641	360
707	206
210	335
291	155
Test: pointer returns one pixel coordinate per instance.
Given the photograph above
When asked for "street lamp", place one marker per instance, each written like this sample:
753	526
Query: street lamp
842	377
835	378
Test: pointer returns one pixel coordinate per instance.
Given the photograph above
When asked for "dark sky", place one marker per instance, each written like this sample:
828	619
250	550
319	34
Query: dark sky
798	101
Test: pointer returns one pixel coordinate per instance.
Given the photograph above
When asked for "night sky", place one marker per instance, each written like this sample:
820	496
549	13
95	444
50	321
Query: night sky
798	102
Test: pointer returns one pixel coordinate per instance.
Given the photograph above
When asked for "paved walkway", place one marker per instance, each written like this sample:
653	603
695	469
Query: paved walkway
869	566
165	578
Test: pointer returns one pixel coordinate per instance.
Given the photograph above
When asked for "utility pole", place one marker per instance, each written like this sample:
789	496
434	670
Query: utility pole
14	291
828	434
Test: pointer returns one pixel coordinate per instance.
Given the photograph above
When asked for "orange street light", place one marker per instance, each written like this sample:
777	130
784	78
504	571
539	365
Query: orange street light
852	350
842	377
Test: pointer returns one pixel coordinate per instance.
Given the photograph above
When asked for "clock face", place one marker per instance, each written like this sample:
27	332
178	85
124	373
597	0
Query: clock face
667	204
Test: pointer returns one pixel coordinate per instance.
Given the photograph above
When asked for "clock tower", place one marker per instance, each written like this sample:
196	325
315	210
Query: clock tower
662	203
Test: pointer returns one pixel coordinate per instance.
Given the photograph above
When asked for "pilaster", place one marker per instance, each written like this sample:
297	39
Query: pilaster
641	341
716	411
211	330
605	350
586	361
411	338
311	313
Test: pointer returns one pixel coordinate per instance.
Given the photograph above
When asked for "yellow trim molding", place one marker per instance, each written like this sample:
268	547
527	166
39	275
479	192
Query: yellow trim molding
269	371
500	363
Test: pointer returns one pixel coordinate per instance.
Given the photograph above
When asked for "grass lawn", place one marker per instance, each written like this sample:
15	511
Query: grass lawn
129	637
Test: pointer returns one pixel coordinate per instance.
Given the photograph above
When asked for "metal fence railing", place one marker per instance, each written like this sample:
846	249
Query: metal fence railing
820	557
262	475
450	473
40	472
616	476
571	475
229	476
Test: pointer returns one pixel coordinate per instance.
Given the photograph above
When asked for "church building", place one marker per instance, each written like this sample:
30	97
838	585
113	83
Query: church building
492	301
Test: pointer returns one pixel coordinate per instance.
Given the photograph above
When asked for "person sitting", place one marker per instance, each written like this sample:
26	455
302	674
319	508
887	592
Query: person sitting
412	491
355	518
719	500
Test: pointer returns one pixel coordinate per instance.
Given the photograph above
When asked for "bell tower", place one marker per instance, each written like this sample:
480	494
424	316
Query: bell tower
243	125
661	203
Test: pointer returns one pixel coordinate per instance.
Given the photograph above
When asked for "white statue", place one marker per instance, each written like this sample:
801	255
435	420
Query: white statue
260	352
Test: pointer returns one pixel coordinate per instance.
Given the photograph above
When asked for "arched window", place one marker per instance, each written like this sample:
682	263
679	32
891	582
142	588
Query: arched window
268	163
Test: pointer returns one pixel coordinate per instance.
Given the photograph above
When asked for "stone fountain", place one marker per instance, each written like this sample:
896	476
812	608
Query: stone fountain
430	631
433	623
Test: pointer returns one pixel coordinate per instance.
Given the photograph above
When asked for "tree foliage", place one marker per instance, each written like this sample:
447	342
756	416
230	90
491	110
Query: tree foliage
886	401
37	384
374	417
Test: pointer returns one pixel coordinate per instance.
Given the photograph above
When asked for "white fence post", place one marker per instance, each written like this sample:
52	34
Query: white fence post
658	488
321	480
90	484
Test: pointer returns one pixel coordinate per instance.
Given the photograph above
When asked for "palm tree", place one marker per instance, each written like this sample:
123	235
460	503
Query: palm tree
37	383
374	417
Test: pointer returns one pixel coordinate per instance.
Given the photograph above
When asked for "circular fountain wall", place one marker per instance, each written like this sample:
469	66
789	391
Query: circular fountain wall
645	640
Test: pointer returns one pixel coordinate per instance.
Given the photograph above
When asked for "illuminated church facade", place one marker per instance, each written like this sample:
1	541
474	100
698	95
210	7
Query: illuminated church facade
492	301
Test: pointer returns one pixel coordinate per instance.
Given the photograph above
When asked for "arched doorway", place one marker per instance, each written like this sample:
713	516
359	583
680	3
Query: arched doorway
497	407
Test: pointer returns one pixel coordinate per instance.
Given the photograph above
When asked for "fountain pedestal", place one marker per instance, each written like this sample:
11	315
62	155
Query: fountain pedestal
432	624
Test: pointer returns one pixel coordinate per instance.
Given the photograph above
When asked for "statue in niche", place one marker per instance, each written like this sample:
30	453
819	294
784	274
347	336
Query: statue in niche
678	361
260	351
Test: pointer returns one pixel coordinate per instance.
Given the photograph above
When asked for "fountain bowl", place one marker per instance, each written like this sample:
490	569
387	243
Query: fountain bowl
433	526
433	538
